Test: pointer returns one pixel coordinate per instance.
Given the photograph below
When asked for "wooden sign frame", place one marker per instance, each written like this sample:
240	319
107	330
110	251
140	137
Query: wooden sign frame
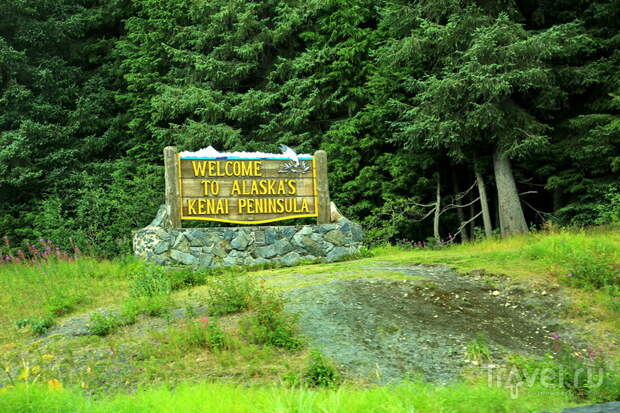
174	192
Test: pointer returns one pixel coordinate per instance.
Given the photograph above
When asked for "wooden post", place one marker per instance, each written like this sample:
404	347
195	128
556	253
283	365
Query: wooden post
173	195
322	188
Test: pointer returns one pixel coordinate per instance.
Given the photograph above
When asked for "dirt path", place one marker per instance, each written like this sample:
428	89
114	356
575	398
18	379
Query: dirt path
383	330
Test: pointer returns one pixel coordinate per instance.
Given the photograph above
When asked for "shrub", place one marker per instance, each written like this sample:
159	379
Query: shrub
205	333
608	211
269	324
320	372
186	277
230	294
102	324
60	304
38	325
150	281
155	306
478	350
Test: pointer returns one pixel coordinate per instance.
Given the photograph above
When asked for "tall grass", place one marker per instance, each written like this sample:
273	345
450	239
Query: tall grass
590	260
37	289
214	397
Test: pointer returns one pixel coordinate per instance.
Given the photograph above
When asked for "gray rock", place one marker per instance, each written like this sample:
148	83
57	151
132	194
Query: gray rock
271	235
181	243
161	247
313	247
159	260
196	237
321	229
249	261
160	233
287	232
241	241
261	261
218	250
337	253
282	247
228	235
183	257
230	261
305	230
290	259
237	254
335	237
266	251
205	261
357	233
161	218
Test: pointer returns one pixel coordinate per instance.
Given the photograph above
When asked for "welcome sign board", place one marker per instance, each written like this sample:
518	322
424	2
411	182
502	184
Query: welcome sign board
248	188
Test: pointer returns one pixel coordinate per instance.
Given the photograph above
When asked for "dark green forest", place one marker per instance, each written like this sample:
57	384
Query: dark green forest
417	103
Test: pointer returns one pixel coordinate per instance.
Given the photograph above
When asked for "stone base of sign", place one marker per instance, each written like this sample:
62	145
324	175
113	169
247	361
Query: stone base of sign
219	246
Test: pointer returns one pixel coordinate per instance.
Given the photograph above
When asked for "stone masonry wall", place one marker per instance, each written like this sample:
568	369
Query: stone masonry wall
220	246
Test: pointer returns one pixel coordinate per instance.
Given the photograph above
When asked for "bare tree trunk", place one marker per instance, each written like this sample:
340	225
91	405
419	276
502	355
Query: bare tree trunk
459	210
484	203
511	218
437	211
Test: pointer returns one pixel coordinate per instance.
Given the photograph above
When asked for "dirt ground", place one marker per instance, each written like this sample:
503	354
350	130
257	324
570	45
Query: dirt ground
382	330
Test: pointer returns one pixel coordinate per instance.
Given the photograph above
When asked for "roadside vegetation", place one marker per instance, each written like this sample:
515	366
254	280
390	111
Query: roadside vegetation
146	326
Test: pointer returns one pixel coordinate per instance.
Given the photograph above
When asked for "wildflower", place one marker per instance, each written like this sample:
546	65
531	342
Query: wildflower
54	384
204	321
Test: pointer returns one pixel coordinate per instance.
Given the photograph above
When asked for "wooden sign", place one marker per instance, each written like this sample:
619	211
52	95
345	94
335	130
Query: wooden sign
245	189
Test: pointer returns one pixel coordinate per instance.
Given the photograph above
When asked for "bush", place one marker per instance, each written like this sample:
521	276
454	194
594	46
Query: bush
609	211
60	304
204	333
104	324
269	324
155	306
230	293
320	372
186	277
38	325
150	281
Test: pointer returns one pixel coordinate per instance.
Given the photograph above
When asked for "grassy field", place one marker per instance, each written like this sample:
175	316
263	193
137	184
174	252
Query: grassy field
213	397
584	263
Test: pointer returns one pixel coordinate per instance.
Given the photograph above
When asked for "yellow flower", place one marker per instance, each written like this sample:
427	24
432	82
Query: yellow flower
48	356
54	384
36	370
24	374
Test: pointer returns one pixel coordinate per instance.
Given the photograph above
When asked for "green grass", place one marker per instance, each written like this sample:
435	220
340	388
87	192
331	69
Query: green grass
60	289
217	397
